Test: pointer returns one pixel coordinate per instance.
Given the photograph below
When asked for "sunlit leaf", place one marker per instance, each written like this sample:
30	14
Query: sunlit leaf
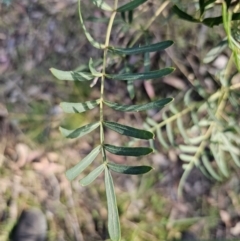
71	75
128	151
158	104
92	175
131	170
101	4
141	76
113	218
142	49
83	164
69	107
87	34
131	5
79	132
129	131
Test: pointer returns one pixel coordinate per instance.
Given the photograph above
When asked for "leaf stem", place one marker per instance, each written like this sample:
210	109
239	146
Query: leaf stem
107	39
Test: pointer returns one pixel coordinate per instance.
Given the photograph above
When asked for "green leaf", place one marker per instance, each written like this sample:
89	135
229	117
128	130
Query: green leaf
69	107
131	5
71	75
141	76
202	6
87	34
128	151
209	2
92	175
93	70
101	4
181	14
131	170
158	104
113	217
129	131
218	20
79	132
215	51
83	164
142	49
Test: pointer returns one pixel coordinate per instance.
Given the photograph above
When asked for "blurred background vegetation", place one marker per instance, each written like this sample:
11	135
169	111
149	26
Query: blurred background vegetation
36	35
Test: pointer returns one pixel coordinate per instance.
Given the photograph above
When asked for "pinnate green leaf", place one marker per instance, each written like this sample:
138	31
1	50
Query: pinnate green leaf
113	217
158	104
83	164
142	49
131	170
128	130
71	75
101	4
79	132
131	5
128	151
92	175
69	107
141	76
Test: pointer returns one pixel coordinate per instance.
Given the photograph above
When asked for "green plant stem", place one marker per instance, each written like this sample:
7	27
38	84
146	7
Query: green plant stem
172	118
107	39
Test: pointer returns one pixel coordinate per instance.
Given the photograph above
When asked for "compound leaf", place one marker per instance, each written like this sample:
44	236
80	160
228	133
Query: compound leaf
129	131
83	164
141	76
158	104
69	107
79	132
113	217
131	5
128	151
131	170
71	75
92	175
142	49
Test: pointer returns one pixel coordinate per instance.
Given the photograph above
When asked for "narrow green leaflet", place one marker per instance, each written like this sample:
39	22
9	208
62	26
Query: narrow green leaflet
131	5
128	151
92	175
71	75
130	170
158	104
181	14
69	107
93	70
83	164
215	51
79	132
202	6
141	76
142	49
129	131
101	4
87	34
113	217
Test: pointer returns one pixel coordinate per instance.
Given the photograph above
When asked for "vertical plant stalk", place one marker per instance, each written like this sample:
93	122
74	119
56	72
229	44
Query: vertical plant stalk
108	34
